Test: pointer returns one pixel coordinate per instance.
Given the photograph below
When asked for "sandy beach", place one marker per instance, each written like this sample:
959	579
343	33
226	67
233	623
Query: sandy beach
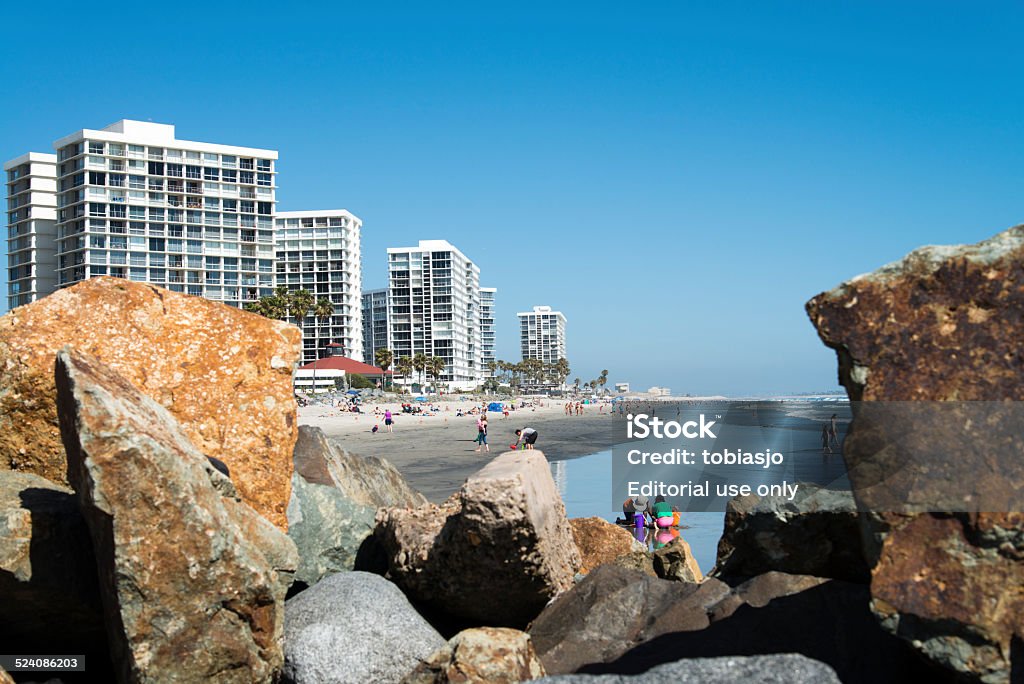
436	453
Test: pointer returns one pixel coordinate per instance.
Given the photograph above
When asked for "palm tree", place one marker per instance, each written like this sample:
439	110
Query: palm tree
323	310
404	366
577	384
300	303
419	363
603	379
384	358
435	366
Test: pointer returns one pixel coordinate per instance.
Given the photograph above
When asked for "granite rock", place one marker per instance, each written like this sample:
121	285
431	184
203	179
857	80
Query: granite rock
600	541
223	373
482	655
354	627
675	561
191	582
784	668
335	496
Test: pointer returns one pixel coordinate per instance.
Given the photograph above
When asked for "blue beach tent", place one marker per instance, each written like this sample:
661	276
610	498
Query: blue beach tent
494	406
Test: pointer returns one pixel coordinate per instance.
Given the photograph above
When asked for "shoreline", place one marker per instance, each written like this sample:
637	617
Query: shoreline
436	453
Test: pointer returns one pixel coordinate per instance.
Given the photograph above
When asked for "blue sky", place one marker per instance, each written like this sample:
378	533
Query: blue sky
677	179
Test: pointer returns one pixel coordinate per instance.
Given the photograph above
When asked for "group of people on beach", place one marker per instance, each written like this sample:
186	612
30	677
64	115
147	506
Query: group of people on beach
639	511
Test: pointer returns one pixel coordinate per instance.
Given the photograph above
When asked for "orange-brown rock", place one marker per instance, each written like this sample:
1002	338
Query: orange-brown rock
600	541
483	655
932	346
224	374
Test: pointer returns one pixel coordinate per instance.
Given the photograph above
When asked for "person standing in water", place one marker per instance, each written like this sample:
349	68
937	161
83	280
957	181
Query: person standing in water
834	431
388	420
825	435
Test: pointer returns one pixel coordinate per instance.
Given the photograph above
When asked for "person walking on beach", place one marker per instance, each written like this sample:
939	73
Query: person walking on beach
388	420
825	435
481	437
833	431
526	436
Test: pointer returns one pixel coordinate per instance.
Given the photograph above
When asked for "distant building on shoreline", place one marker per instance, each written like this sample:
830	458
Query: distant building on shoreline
434	309
133	201
659	392
487	332
375	323
622	387
319	251
542	334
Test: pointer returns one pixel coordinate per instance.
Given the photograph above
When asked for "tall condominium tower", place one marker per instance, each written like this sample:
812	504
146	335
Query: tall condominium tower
319	251
433	309
375	324
487	335
542	334
135	202
31	227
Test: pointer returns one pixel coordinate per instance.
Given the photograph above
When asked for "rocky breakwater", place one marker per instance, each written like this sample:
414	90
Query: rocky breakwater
930	347
224	374
334	500
494	553
192	581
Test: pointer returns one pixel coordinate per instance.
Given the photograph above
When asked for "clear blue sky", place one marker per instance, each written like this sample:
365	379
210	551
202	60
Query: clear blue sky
678	179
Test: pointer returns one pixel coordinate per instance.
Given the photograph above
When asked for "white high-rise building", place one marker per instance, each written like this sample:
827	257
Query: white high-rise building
375	324
487	333
542	334
31	227
319	251
433	309
133	201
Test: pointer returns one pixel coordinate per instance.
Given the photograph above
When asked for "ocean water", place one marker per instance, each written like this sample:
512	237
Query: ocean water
793	427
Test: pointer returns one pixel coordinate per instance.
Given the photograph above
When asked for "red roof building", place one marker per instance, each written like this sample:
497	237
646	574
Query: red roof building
343	363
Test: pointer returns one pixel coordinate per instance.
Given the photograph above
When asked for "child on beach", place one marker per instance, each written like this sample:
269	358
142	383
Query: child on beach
481	437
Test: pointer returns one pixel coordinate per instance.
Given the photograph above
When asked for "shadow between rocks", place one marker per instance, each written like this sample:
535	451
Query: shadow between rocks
835	627
59	611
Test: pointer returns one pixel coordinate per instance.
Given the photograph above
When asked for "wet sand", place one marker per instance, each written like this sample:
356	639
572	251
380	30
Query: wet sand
436	457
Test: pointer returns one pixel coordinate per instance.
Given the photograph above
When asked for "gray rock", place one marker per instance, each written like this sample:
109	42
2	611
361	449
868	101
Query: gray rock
787	668
818	533
334	498
614	609
354	627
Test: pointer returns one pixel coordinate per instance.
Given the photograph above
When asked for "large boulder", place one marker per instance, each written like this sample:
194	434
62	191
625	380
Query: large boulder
614	609
482	655
47	572
335	496
600	541
621	621
504	530
817	533
223	373
930	346
191	582
786	668
354	627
